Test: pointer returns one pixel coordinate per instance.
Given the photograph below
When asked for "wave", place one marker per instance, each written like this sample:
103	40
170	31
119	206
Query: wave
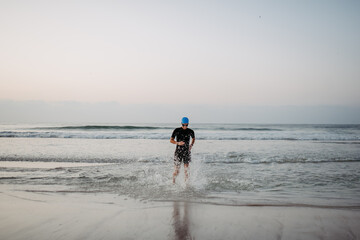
212	201
208	160
132	127
65	159
101	127
247	129
282	161
349	139
269	204
338	126
203	132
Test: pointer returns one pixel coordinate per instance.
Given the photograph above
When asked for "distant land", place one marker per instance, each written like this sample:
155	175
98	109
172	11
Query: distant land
111	112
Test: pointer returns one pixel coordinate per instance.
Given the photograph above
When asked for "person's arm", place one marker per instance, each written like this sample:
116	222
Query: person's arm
192	143
172	140
192	139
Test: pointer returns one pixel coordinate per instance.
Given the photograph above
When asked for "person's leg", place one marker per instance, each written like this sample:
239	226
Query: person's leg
186	166
177	164
187	160
176	172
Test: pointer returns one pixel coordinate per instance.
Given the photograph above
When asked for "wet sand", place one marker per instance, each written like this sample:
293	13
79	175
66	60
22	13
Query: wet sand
64	215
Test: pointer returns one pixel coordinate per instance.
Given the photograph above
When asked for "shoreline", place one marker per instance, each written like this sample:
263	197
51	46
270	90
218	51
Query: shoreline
45	215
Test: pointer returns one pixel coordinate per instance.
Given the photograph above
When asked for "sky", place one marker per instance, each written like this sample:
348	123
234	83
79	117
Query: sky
215	54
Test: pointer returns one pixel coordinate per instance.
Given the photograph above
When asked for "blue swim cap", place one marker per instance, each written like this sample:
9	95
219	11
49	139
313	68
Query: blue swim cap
185	120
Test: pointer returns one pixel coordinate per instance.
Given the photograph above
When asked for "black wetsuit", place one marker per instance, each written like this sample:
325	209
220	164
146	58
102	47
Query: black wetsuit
182	153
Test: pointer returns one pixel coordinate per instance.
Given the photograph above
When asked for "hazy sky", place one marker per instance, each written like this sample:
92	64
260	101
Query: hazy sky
304	53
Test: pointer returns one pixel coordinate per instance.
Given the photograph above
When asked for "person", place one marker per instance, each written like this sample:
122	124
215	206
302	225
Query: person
181	137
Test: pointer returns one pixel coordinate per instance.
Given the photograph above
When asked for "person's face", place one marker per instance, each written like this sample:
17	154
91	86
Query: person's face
184	126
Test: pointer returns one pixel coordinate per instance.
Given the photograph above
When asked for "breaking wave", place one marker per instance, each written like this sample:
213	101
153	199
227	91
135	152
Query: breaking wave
203	132
101	127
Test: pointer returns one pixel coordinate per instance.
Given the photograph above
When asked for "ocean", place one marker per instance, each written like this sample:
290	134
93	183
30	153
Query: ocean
232	164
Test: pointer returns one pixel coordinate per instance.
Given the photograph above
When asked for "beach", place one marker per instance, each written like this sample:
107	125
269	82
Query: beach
44	215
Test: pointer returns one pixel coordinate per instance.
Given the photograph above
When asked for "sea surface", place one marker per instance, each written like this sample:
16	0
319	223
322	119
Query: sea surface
232	164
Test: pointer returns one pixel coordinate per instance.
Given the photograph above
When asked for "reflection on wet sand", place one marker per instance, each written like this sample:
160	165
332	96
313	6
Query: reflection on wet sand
181	223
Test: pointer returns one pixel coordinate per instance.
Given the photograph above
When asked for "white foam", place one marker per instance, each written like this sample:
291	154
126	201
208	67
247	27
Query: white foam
26	164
